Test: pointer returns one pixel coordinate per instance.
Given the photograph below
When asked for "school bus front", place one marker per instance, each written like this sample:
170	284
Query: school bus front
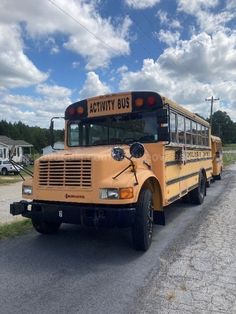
116	168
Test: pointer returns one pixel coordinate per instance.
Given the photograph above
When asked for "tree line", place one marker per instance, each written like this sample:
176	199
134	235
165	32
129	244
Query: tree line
38	137
222	126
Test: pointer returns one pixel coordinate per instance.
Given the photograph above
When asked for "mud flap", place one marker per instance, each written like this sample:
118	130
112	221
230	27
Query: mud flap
159	218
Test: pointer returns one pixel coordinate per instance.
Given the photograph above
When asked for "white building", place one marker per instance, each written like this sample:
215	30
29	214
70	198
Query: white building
49	149
18	149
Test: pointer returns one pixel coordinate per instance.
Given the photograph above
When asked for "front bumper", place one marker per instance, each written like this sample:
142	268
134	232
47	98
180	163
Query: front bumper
86	214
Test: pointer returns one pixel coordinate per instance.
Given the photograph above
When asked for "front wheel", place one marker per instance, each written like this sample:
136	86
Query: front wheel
4	171
46	227
142	228
42	226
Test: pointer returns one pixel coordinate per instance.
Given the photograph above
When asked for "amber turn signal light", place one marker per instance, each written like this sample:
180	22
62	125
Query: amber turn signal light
126	193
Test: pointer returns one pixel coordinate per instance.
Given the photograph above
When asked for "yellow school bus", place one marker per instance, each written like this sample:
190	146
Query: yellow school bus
217	157
127	156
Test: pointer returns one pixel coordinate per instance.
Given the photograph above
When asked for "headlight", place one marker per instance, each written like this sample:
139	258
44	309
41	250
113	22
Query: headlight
109	193
28	190
112	193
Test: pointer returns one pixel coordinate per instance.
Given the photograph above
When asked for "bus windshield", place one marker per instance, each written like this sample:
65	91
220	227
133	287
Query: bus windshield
120	129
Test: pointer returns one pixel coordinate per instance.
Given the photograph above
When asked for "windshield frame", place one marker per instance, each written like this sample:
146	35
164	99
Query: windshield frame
90	121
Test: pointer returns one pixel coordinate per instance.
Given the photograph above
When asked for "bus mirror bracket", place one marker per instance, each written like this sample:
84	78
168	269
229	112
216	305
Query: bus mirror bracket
163	120
51	128
162	116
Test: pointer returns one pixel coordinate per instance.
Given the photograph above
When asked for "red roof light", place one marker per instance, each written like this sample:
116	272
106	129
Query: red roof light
151	101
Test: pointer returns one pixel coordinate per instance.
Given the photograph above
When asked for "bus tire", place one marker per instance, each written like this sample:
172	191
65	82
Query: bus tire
218	177
4	171
142	228
44	227
198	194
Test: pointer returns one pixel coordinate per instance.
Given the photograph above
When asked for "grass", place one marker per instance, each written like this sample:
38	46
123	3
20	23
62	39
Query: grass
13	229
229	158
229	147
10	178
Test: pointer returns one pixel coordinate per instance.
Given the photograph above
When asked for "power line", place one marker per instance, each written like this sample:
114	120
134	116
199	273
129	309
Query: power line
84	27
91	33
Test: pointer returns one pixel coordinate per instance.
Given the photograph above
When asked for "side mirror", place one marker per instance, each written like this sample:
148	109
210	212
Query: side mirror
118	153
137	150
217	154
52	140
51	128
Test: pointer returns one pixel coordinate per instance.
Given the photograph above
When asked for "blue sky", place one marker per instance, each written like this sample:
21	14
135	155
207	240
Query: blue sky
55	52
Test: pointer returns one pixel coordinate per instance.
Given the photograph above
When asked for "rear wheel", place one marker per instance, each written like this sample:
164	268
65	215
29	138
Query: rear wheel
4	171
142	228
42	226
198	194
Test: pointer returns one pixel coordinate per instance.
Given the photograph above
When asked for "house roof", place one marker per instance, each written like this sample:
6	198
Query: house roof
9	142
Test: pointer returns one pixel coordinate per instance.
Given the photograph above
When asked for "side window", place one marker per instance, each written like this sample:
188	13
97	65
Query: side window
199	132
205	136
188	128
194	134
181	129
173	127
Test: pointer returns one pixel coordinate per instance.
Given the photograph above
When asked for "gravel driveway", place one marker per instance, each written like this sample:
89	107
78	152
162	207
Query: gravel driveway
198	273
8	194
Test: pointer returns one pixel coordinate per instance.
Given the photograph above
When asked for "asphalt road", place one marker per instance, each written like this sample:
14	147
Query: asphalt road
83	270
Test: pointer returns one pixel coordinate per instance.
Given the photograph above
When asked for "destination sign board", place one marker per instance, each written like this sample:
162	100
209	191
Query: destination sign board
109	105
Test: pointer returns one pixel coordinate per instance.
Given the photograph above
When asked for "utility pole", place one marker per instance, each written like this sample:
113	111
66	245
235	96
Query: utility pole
212	99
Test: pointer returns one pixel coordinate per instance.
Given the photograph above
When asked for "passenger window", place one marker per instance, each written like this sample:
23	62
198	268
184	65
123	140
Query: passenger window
194	134
173	127
188	127
181	129
200	139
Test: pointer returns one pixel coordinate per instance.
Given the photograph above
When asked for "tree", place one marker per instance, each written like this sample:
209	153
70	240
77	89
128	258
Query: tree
223	127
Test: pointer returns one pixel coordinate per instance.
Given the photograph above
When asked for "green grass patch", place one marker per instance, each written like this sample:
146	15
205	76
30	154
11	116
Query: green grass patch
16	228
229	147
229	158
9	179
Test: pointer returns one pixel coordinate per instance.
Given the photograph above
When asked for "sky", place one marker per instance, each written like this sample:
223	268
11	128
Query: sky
56	52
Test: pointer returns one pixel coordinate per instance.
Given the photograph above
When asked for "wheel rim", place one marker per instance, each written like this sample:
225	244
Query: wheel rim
150	220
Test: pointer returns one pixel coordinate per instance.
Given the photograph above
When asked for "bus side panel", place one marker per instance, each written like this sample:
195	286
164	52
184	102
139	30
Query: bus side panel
182	176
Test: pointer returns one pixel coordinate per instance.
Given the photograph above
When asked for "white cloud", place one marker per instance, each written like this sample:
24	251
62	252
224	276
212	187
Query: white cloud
53	90
168	37
168	22
138	4
204	57
35	110
122	69
194	6
193	70
16	69
208	21
86	33
93	86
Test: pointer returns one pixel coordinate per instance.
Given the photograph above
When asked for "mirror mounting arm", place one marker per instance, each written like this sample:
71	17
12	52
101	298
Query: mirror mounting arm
131	165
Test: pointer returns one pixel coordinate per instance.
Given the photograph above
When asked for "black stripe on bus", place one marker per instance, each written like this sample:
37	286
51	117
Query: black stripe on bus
170	147
173	198
208	169
176	197
176	162
182	178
